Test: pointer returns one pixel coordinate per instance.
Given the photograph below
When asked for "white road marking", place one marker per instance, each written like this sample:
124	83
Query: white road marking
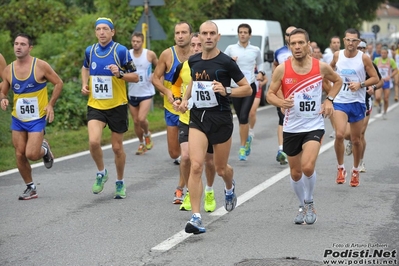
182	235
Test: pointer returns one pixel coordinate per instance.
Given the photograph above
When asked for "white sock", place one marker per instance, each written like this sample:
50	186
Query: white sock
355	168
251	132
309	185
208	188
341	166
299	189
101	172
280	147
123	181
229	191
197	215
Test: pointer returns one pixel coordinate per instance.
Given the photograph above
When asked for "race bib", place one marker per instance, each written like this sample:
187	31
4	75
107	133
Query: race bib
27	109
101	87
384	71
345	85
203	95
306	105
142	75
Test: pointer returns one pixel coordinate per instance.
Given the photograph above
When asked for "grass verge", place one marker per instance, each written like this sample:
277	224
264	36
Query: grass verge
65	142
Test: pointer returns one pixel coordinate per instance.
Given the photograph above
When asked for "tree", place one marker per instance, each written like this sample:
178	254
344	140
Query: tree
23	16
62	29
321	18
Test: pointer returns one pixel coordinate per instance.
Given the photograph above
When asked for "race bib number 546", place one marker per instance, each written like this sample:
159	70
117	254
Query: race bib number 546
27	108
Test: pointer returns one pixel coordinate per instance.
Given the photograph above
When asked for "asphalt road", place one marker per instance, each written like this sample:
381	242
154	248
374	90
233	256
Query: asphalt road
68	225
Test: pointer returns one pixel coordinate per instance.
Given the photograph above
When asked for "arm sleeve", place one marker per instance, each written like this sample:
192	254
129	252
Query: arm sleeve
123	57
176	82
176	75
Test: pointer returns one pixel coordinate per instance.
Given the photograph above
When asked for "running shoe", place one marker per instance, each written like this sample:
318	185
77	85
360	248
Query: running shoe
194	226
177	161
332	135
242	154
100	181
209	201
384	116
178	198
348	149
120	192
48	158
141	150
310	217
355	179
230	201
300	217
186	205
362	167
379	108
281	157
396	99
341	175
248	145
29	193
148	141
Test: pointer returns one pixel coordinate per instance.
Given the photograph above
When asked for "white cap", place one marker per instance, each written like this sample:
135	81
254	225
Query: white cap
362	45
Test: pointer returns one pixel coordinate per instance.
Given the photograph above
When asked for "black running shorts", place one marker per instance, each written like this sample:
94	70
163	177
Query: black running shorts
217	126
292	144
116	118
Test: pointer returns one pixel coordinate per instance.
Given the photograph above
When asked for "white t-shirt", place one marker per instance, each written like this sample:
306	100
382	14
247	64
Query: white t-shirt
247	58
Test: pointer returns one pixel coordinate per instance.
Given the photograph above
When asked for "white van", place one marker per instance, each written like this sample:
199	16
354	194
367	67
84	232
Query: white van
266	34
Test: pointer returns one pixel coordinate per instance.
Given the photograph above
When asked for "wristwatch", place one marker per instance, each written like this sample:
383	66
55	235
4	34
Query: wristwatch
362	84
228	91
121	74
330	98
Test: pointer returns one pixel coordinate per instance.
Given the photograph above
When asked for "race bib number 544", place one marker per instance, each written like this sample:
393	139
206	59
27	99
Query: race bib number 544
101	87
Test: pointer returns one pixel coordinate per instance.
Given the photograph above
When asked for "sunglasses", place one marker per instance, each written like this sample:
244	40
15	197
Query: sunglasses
287	34
351	40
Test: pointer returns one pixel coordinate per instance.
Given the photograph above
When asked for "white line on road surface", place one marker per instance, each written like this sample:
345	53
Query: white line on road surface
75	155
106	147
182	235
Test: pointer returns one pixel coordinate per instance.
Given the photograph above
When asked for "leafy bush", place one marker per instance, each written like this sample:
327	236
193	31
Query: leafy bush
5	136
70	109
